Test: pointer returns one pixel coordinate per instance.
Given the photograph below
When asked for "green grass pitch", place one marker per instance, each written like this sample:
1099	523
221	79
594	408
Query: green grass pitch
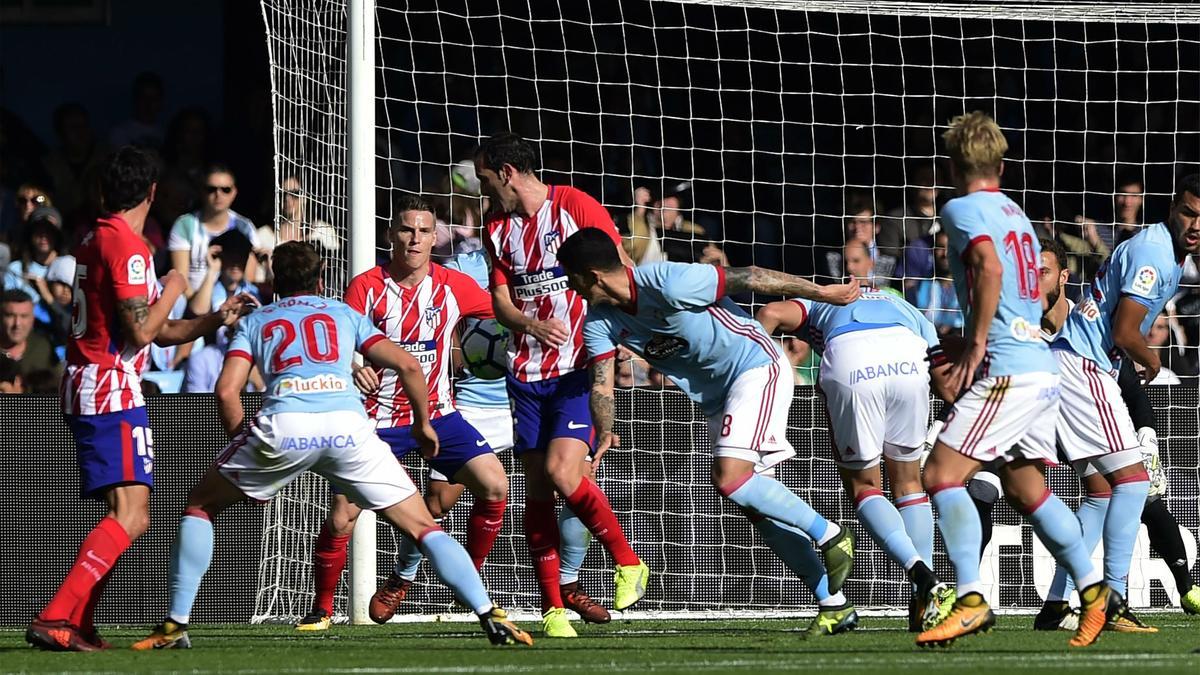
688	646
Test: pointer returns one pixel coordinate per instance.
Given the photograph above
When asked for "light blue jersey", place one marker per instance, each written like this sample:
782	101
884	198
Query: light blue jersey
471	391
873	309
1143	268
684	327
1014	342
304	347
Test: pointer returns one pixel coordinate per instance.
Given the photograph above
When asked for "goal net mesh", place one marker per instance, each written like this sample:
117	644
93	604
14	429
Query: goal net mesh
775	122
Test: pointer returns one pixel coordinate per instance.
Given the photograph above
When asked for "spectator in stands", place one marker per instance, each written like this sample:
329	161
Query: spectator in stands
204	366
11	381
193	232
1167	339
936	296
42	243
681	239
1127	210
32	351
857	260
639	236
10	280
143	129
77	156
862	226
28	198
43	381
906	232
57	293
295	224
1086	249
225	273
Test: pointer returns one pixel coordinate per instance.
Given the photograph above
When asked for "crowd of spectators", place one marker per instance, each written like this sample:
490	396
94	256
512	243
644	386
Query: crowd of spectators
193	227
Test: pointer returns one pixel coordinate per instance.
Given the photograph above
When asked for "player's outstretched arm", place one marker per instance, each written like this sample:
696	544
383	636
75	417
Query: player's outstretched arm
602	402
783	315
771	282
387	354
185	331
230	384
1127	336
987	274
551	332
139	320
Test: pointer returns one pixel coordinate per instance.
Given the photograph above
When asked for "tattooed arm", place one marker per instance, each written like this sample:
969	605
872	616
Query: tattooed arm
140	321
770	282
601	403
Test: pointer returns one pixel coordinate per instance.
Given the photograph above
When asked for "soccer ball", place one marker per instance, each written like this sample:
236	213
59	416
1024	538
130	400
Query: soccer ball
485	348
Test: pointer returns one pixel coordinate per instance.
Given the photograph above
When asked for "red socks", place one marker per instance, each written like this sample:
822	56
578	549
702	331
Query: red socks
592	507
541	531
97	555
483	526
329	558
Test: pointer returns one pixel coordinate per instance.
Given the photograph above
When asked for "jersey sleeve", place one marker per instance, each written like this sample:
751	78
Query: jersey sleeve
587	212
356	295
366	335
1142	278
473	301
239	344
129	265
597	337
966	227
501	270
686	285
180	237
806	305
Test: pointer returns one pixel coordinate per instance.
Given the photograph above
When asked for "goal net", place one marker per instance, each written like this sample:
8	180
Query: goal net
752	131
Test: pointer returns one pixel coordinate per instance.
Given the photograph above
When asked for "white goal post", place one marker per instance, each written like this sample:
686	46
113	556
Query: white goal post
778	115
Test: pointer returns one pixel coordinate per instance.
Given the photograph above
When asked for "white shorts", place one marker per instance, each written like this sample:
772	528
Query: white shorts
275	449
753	425
494	424
878	405
1094	427
1006	418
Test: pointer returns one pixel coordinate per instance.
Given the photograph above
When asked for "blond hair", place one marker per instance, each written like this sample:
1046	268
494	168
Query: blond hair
976	145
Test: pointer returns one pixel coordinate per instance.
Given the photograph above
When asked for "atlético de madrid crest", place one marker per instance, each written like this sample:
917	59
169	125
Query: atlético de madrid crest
431	316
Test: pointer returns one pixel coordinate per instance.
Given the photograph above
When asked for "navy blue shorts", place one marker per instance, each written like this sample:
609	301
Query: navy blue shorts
113	449
458	443
549	409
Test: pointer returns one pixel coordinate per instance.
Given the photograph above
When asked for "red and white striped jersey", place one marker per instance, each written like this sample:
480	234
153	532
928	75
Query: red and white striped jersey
103	374
422	320
523	258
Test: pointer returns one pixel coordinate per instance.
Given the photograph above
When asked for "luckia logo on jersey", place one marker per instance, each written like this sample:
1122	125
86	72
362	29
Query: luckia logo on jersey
319	384
1025	331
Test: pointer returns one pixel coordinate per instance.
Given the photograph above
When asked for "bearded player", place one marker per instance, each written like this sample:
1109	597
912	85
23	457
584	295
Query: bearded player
678	318
417	304
118	311
1110	324
547	382
1002	383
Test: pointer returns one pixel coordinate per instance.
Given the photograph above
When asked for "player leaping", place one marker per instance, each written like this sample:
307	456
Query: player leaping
878	405
417	304
118	312
678	318
547	382
313	420
1109	323
1004	382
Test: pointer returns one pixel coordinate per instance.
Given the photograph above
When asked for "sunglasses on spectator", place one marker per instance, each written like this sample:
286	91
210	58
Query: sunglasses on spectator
225	189
40	200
